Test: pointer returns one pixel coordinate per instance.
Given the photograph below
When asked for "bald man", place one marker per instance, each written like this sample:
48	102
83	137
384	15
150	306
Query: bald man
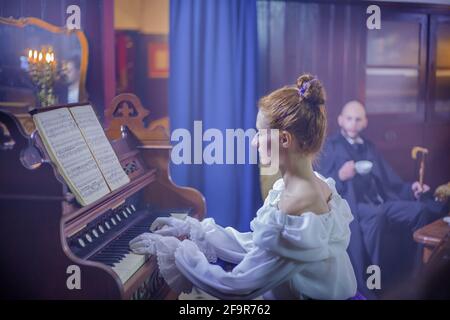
386	209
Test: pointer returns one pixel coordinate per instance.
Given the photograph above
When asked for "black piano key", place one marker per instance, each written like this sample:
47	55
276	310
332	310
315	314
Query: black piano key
116	252
108	263
117	243
112	255
107	256
119	248
121	242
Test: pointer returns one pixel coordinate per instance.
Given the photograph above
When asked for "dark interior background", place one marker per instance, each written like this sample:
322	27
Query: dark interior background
330	39
326	38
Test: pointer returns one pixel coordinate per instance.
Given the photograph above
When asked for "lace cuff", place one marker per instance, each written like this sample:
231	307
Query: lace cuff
165	256
197	235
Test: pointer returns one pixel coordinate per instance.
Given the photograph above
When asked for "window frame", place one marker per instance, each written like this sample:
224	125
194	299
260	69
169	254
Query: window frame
431	114
419	114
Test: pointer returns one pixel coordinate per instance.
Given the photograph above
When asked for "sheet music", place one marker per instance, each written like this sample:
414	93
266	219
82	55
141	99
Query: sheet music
69	151
100	146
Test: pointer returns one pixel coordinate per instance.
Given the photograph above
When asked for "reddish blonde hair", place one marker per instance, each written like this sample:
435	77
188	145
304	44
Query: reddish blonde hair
300	110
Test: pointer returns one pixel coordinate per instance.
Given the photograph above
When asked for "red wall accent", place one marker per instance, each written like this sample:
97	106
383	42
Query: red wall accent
109	71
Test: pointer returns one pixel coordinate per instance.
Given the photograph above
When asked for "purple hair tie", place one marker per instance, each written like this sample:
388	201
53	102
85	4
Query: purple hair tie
305	87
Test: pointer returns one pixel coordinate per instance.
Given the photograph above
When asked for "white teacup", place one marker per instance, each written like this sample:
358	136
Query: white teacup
363	167
447	220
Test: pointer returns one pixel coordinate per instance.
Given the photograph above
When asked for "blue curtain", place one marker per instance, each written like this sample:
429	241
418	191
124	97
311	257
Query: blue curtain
213	79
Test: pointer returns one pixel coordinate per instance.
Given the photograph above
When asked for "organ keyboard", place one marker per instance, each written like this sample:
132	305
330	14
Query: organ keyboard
45	232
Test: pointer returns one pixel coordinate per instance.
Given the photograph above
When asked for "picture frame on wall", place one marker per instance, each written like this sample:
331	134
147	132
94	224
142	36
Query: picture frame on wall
158	60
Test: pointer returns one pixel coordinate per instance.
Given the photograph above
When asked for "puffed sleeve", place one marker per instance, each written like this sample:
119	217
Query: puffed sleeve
228	244
300	238
258	272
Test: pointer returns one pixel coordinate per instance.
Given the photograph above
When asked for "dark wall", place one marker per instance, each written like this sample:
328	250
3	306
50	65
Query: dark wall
132	53
54	12
324	39
154	91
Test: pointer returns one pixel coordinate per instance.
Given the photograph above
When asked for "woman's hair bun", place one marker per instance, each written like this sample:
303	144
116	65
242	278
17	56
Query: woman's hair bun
311	90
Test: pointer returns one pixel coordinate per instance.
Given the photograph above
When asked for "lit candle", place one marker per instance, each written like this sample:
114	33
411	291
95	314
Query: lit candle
34	55
30	54
40	56
48	58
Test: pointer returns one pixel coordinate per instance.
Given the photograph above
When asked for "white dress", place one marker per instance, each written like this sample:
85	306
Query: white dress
284	257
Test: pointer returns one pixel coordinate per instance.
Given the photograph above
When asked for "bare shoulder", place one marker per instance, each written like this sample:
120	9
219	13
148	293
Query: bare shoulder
309	197
295	205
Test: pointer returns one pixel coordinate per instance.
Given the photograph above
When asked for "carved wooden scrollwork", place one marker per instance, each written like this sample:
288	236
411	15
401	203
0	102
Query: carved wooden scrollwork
126	110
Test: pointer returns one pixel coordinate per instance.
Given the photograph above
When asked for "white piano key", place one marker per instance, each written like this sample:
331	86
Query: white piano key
129	265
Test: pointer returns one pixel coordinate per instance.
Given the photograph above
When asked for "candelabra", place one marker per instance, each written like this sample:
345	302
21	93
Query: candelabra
44	72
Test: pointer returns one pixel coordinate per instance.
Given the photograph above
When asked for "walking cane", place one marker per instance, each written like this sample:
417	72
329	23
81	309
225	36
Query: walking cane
423	152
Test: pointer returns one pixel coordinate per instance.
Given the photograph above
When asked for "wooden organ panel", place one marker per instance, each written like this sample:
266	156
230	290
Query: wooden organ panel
48	237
